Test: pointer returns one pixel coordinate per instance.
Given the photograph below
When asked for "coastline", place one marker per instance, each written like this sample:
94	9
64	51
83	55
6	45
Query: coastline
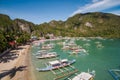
31	68
18	65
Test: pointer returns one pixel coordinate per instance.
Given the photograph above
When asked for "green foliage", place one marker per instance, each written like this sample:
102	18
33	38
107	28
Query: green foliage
23	38
10	30
3	43
47	37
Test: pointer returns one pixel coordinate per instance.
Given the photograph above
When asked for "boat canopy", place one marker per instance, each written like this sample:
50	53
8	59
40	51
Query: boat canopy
57	61
54	62
64	60
83	76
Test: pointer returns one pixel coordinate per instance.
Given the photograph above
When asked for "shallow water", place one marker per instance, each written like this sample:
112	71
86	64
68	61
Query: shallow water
100	59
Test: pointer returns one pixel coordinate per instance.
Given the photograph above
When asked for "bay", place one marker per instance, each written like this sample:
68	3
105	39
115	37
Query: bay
99	58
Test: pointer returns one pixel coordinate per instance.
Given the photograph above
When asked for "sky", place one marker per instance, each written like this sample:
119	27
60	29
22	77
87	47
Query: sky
40	11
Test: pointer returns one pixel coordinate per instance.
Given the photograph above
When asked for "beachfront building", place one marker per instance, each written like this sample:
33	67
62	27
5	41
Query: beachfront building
51	36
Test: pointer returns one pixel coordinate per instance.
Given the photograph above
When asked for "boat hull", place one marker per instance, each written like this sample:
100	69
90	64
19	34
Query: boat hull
48	68
47	57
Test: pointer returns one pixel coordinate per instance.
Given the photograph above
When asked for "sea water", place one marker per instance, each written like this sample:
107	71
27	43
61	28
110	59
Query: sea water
102	55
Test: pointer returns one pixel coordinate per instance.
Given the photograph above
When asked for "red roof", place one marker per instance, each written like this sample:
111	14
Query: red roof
12	43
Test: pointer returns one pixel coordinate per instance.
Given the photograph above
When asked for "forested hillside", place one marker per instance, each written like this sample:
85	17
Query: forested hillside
12	31
85	25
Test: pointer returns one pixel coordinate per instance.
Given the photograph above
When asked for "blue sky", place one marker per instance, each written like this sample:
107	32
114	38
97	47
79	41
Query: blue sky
40	11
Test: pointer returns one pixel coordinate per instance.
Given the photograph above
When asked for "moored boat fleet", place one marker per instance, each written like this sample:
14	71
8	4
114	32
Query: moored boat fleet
62	65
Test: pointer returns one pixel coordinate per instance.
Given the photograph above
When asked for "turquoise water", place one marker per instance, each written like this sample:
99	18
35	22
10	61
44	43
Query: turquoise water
98	59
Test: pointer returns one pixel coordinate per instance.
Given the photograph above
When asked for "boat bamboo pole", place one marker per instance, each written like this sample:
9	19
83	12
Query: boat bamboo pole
72	66
115	70
53	72
66	69
46	64
58	77
69	79
60	70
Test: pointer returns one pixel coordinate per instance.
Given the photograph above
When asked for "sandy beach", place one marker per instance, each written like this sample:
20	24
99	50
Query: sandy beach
16	65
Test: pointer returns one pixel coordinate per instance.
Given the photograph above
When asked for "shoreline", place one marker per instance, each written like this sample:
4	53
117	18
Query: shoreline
31	67
37	42
17	65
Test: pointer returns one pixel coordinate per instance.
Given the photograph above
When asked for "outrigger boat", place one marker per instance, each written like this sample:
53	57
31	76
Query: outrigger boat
47	55
85	76
47	47
41	52
66	47
79	51
56	64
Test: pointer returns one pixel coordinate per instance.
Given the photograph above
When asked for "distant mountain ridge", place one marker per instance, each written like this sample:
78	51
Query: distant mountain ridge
9	25
85	25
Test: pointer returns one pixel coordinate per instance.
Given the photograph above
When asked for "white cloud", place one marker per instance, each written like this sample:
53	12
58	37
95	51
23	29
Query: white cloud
95	1
117	12
97	5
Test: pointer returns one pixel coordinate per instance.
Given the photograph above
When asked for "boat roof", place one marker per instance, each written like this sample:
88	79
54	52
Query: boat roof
42	51
57	61
54	62
64	60
83	76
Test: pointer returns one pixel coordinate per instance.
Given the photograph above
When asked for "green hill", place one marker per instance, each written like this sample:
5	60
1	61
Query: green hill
86	25
13	30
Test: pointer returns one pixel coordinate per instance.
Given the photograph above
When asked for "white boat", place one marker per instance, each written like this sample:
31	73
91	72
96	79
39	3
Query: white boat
70	43
79	51
41	52
74	48
56	64
100	46
65	47
85	76
47	46
47	55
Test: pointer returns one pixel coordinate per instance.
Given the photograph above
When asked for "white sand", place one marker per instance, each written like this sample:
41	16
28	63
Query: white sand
23	59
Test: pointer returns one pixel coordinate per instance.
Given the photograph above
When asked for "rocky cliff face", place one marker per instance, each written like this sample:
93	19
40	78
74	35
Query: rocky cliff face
24	25
17	25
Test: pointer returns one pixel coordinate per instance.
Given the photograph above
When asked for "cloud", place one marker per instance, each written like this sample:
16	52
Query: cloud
97	5
117	12
95	1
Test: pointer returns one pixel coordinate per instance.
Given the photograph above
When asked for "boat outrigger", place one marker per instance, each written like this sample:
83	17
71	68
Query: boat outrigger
115	73
56	64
